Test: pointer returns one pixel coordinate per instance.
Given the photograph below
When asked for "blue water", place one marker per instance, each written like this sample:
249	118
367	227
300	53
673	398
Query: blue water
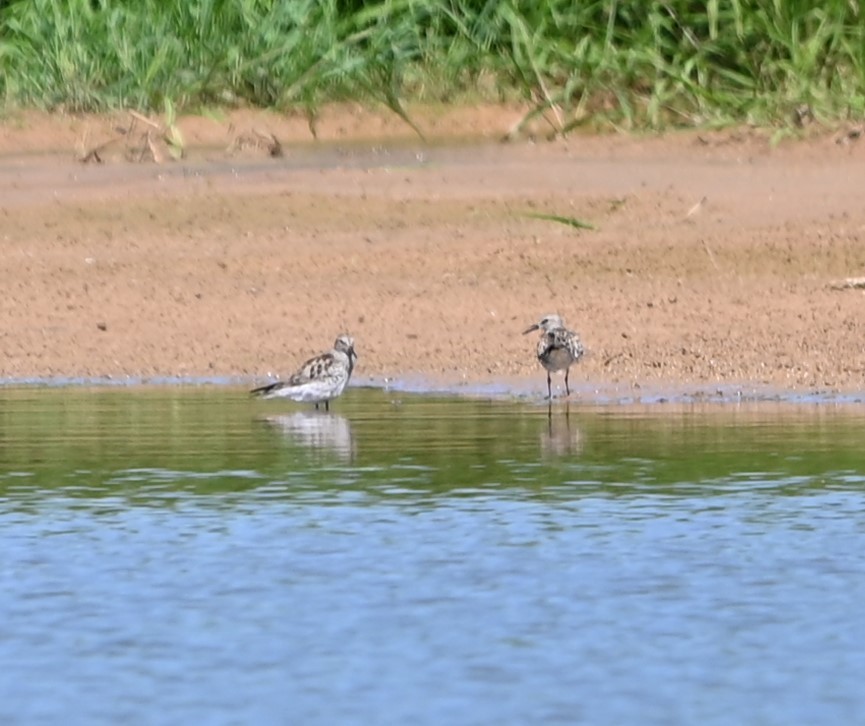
185	555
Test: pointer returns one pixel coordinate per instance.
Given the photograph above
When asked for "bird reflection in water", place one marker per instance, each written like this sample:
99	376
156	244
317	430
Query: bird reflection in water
561	437
320	431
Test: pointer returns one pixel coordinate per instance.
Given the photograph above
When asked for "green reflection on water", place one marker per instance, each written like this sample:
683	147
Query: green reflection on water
208	440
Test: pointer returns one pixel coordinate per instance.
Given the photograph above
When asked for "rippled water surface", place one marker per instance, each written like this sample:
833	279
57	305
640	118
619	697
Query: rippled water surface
186	555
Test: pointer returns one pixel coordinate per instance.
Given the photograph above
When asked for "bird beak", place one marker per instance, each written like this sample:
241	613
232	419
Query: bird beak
534	327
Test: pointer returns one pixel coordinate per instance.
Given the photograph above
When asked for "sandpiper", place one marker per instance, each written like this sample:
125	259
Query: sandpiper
558	348
320	379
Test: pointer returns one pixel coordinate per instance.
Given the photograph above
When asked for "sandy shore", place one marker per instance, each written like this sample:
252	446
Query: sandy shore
715	259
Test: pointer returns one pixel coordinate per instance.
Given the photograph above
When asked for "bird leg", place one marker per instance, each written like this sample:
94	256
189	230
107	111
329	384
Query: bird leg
327	405
549	387
567	390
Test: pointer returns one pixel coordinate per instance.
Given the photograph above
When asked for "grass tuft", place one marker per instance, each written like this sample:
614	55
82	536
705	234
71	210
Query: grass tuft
569	221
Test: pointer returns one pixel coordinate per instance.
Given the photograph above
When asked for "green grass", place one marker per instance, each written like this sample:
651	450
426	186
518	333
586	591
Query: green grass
560	219
621	63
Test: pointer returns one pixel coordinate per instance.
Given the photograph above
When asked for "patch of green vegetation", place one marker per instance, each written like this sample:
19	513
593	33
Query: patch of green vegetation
568	221
621	63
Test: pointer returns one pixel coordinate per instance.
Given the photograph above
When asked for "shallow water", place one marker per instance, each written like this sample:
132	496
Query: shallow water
185	555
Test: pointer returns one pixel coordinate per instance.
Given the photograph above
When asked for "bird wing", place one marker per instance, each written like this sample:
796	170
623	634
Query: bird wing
573	343
313	370
560	339
268	388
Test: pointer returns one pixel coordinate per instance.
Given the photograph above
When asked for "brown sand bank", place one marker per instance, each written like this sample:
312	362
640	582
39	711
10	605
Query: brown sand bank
713	260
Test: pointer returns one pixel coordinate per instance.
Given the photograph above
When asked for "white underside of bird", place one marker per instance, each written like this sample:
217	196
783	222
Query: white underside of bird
556	359
318	391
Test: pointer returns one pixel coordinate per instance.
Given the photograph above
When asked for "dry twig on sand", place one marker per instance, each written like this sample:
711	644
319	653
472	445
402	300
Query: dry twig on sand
157	142
258	141
848	283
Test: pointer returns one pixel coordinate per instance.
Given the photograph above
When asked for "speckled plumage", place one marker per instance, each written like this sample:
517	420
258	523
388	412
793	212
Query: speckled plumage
558	348
318	380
